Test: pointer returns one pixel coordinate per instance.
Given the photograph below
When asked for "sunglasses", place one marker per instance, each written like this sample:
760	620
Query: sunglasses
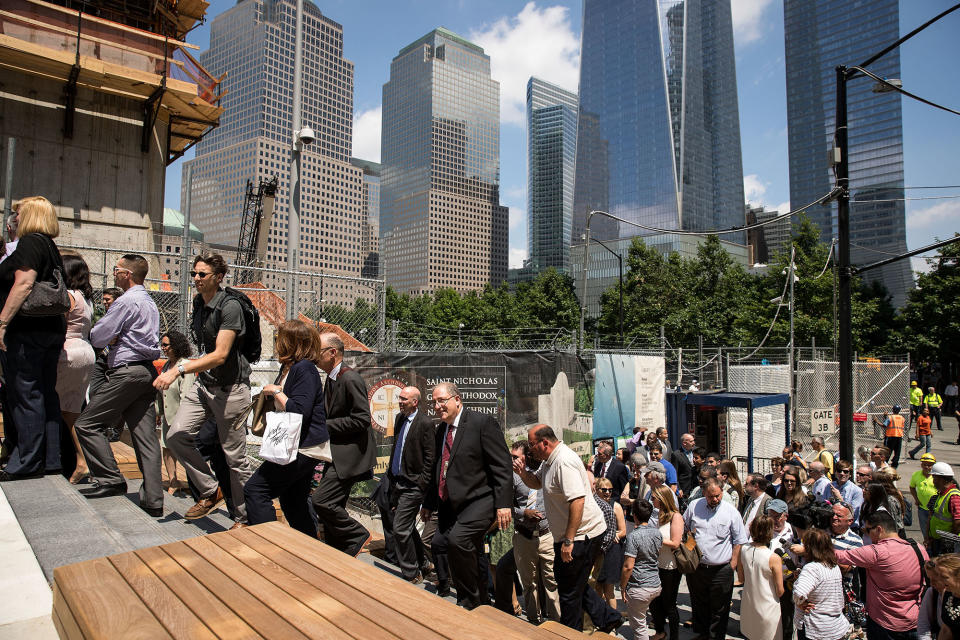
164	345
605	490
199	274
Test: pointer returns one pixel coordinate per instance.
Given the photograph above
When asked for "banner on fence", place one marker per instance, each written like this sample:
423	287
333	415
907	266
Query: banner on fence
629	393
518	390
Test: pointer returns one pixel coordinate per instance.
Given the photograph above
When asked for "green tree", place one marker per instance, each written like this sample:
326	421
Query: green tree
930	324
548	301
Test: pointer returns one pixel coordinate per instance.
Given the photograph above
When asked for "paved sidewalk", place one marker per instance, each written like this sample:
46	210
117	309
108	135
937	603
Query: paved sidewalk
944	448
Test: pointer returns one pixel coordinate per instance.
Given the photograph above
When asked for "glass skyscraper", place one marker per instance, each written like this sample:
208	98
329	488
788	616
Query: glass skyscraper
551	165
252	43
441	223
819	35
659	133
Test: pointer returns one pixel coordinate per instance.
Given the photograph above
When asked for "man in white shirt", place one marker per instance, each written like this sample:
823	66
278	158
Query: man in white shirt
576	523
756	489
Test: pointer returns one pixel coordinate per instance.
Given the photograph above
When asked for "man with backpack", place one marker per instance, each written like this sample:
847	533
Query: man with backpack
226	328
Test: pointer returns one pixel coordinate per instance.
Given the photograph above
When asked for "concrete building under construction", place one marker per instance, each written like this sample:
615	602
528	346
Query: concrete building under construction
96	99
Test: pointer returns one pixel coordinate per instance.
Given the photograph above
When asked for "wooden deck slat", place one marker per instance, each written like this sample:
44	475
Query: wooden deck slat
62	615
92	589
172	613
377	611
412	601
357	623
571	634
492	615
307	621
263	619
207	606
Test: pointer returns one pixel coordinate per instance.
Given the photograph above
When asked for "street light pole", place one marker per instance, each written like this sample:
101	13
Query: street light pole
293	210
845	352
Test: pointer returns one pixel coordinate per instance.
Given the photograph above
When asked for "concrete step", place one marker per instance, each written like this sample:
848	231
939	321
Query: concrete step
63	527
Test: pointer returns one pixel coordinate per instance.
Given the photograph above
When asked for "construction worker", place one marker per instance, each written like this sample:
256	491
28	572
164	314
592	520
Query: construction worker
933	402
945	514
916	399
893	424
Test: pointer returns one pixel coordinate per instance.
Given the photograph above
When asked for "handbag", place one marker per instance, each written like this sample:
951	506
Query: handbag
47	298
281	440
687	554
259	405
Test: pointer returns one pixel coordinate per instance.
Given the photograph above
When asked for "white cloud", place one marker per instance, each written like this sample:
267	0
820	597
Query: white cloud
748	22
922	265
366	134
939	219
783	207
517	217
754	189
517	256
535	42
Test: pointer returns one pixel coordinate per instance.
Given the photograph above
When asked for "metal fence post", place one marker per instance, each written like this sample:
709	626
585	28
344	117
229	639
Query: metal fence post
185	253
382	317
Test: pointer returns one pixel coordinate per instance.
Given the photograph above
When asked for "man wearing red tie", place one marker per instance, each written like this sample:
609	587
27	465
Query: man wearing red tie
471	486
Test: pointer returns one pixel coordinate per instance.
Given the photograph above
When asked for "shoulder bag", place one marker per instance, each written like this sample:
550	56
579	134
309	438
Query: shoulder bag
256	412
687	554
47	298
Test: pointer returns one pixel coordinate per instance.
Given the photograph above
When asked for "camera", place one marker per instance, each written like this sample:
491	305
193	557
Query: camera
306	135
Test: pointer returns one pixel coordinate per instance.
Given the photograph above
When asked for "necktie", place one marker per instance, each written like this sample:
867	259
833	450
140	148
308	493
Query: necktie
328	394
445	462
395	467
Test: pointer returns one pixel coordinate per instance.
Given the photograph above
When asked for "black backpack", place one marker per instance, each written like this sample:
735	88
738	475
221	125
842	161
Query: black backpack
252	342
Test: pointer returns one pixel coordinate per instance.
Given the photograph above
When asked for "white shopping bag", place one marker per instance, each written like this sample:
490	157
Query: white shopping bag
281	437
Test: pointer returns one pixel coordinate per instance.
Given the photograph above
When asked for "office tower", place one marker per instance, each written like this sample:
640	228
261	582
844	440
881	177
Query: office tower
551	163
659	134
770	239
819	36
441	223
253	44
370	240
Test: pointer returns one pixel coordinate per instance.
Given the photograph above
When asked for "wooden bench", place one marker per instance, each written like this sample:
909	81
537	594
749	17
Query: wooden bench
266	581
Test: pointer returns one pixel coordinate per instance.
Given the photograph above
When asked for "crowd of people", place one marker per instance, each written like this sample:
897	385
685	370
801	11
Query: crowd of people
818	546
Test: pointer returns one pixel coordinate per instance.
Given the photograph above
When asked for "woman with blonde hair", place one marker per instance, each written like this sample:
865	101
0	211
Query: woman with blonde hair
297	347
670	523
612	559
32	343
948	569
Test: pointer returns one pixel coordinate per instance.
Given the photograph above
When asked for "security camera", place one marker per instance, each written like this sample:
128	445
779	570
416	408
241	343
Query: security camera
306	135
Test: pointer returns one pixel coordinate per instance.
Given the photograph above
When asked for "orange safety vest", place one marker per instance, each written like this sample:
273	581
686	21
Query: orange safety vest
895	428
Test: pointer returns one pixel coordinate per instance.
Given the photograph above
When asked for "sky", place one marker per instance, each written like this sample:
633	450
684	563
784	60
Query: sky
543	39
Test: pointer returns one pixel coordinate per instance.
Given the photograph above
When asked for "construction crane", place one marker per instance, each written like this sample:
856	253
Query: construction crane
254	228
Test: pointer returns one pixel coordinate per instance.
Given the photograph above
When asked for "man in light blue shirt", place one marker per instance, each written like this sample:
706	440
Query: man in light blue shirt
718	528
843	489
132	328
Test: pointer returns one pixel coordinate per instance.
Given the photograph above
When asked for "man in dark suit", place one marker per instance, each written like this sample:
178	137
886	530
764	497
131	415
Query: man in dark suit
352	448
409	473
607	466
682	460
471	487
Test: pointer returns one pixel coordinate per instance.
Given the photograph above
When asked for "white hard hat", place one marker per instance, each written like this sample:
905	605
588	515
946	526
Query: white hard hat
942	469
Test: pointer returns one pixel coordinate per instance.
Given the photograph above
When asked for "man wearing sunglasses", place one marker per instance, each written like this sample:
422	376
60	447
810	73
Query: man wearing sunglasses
845	490
221	393
131	327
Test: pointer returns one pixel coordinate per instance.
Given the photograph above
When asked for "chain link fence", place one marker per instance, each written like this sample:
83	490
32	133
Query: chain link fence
356	305
877	386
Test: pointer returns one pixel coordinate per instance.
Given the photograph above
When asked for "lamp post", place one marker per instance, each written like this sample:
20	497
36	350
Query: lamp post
844	271
620	307
301	135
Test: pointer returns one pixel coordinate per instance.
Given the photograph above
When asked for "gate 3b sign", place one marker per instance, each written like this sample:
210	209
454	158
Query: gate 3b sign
821	422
